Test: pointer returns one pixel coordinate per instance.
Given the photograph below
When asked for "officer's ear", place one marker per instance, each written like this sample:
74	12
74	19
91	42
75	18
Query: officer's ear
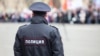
32	14
46	15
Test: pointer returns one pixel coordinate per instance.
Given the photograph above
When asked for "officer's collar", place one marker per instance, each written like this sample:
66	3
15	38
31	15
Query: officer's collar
38	20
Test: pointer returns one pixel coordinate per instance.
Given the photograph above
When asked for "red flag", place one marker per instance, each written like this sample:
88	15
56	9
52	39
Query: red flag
64	6
51	2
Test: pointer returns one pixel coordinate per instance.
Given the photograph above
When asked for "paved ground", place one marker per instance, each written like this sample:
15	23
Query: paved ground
78	40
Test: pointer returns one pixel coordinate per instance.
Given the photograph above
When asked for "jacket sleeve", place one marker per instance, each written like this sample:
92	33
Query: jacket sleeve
17	45
56	43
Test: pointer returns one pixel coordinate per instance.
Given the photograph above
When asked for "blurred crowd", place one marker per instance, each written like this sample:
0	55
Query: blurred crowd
76	16
24	16
91	15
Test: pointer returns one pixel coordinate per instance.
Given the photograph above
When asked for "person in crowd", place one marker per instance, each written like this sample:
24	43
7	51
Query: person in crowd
98	16
93	18
89	13
59	17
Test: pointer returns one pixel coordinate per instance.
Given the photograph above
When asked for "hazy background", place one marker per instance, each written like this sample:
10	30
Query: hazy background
77	20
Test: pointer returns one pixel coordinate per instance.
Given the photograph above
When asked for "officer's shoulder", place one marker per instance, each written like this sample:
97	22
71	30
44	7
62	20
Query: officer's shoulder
55	28
23	26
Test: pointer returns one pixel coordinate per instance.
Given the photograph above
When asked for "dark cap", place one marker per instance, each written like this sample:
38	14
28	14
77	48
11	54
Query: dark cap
40	6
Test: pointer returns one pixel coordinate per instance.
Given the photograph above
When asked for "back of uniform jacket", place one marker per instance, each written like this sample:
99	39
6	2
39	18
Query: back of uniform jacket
38	39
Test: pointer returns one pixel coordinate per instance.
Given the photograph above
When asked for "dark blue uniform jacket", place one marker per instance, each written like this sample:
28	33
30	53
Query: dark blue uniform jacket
38	39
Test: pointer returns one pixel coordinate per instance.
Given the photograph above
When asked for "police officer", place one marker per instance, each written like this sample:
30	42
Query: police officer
38	38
